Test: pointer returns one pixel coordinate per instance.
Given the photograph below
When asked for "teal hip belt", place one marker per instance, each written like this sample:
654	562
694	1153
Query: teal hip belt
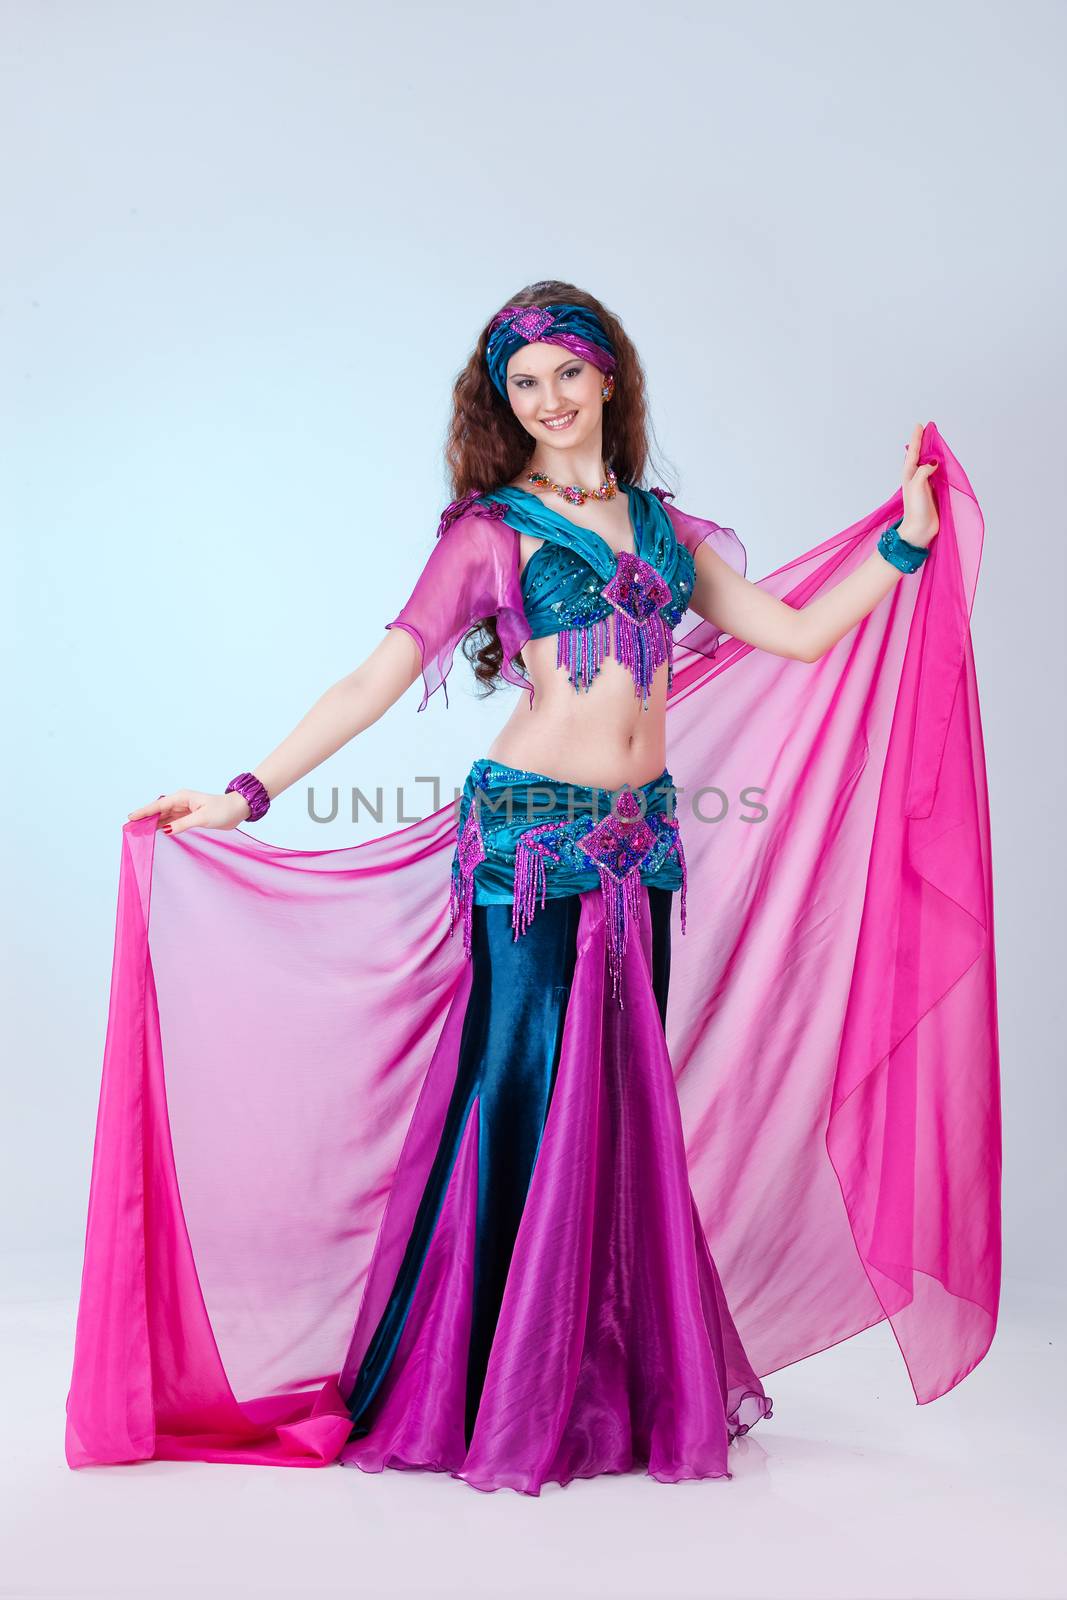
523	837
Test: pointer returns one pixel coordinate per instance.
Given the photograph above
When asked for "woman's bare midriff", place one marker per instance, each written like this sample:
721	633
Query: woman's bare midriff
598	736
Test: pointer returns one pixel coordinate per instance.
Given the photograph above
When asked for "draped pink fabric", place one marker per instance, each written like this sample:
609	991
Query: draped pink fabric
282	1024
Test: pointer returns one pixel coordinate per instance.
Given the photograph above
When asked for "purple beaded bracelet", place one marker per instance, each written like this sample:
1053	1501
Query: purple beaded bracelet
248	786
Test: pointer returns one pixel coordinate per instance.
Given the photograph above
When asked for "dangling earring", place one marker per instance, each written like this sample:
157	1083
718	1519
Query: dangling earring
607	388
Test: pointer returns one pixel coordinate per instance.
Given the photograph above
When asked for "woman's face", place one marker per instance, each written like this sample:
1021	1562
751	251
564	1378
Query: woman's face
546	382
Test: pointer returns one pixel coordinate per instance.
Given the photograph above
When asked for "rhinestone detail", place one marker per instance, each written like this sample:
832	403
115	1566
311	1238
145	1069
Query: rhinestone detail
618	846
650	610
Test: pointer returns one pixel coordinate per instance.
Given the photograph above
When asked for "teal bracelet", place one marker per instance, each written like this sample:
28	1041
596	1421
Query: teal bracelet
898	552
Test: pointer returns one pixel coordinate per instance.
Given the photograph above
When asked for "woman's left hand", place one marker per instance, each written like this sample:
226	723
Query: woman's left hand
920	523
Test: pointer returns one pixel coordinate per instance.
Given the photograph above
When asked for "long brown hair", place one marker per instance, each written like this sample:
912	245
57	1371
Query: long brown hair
487	446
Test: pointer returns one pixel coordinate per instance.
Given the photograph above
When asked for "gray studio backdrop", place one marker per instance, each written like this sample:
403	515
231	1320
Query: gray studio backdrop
248	247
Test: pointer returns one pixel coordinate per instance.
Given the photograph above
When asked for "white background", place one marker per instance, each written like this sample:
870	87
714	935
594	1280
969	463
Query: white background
248	247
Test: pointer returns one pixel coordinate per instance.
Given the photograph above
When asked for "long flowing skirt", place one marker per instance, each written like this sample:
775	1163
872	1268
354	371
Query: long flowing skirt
557	1312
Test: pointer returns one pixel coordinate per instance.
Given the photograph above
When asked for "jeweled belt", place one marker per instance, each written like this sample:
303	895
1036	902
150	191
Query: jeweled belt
623	835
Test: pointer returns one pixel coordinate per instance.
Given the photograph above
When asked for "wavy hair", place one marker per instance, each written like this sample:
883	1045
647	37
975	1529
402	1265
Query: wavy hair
487	446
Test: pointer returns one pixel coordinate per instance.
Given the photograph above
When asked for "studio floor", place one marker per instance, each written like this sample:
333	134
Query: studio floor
850	1492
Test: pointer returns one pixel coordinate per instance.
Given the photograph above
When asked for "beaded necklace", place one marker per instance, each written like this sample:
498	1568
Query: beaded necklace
575	495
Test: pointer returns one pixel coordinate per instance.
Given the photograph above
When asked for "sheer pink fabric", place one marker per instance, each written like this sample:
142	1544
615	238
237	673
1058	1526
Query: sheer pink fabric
704	639
473	571
276	1014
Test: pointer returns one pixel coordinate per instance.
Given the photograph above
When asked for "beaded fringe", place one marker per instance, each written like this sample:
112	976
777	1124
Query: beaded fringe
677	850
532	849
582	651
620	895
530	854
461	894
643	647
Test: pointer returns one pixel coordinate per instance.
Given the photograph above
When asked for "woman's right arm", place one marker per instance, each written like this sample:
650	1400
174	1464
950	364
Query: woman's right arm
471	572
347	707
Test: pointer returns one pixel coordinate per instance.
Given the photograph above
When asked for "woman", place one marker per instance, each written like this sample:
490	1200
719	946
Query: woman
540	1302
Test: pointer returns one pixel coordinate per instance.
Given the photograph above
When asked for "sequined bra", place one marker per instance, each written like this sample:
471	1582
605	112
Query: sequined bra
575	583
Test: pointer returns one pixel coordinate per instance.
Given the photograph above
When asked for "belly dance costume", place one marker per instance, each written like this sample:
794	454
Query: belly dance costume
529	848
368	1191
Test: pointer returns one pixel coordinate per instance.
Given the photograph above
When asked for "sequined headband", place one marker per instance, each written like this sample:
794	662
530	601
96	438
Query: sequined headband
575	327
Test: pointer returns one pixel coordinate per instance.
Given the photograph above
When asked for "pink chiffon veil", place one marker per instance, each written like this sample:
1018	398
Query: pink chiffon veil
832	1027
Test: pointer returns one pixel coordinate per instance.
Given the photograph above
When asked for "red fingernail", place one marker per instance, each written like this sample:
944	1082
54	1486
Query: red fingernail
167	829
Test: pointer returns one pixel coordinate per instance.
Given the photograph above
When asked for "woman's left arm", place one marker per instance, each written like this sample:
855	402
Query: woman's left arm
804	633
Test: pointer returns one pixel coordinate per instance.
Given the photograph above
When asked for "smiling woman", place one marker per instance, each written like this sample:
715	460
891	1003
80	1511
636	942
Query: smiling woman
687	1100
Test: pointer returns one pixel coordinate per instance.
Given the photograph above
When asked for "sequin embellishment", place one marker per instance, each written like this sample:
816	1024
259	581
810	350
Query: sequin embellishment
468	502
617	846
580	615
469	852
642	641
621	838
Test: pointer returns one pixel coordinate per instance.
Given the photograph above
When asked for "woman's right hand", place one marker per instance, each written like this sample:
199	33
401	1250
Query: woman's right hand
188	808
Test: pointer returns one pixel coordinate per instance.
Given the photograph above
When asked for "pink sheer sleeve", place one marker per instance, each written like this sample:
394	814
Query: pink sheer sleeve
471	573
693	532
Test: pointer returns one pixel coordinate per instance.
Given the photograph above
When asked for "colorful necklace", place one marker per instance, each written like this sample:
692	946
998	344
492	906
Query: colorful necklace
572	493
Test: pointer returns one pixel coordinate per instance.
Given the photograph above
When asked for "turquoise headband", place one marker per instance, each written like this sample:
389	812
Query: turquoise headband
575	327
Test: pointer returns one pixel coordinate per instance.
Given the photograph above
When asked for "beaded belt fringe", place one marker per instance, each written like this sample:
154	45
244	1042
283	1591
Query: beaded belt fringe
620	845
644	639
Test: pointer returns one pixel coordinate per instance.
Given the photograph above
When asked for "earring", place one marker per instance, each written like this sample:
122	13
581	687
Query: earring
607	389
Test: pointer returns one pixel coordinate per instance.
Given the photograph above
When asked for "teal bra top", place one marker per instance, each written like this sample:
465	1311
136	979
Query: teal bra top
563	584
562	581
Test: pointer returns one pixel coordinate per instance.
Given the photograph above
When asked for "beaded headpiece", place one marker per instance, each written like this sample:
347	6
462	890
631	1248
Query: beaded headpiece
575	327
